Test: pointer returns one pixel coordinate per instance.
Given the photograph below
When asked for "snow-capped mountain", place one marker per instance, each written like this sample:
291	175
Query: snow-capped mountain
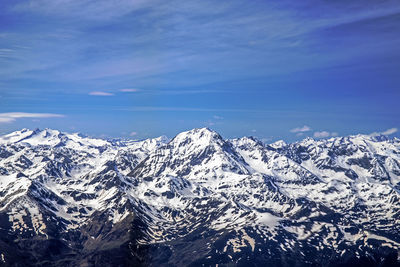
198	200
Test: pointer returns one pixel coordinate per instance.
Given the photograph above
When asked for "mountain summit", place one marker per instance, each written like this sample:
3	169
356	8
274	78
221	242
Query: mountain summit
198	199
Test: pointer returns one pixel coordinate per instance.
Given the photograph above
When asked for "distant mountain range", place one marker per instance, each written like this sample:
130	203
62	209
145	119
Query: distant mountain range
198	200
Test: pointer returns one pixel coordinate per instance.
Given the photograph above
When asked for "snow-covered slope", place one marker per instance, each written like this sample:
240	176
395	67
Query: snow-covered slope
68	199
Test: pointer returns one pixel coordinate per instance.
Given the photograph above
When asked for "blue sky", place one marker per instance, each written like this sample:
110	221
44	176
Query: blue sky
272	69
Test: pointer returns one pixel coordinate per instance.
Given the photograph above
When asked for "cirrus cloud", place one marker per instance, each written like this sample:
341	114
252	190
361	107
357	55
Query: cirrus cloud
129	90
324	134
387	132
390	131
6	120
100	93
305	128
12	116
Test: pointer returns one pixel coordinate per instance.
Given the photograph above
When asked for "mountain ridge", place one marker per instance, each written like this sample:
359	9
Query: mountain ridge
198	199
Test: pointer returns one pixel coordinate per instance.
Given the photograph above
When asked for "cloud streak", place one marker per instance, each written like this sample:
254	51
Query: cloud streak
387	132
100	93
325	134
390	131
129	90
13	116
303	129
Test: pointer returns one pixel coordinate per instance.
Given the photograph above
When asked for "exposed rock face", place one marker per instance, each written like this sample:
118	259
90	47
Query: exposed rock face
70	200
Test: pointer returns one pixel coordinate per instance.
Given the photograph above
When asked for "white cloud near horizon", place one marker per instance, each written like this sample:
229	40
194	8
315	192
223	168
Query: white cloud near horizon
321	134
305	128
100	93
390	131
324	134
13	116
133	133
387	132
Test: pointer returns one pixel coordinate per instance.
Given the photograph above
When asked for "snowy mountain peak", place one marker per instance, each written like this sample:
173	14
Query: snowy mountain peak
246	141
198	152
199	135
278	144
16	136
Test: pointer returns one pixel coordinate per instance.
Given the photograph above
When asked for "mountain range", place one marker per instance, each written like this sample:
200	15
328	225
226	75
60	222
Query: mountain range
198	200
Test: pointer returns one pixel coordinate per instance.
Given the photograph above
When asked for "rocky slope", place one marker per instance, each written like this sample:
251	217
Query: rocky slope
198	199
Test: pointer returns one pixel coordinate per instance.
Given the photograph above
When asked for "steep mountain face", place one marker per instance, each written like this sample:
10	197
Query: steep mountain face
71	200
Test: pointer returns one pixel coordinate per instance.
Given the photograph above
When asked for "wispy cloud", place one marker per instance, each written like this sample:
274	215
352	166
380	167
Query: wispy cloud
390	131
387	132
133	133
101	10
216	120
100	93
202	46
324	134
12	116
6	119
305	128
129	90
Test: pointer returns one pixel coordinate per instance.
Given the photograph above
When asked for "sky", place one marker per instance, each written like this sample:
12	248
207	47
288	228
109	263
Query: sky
284	69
